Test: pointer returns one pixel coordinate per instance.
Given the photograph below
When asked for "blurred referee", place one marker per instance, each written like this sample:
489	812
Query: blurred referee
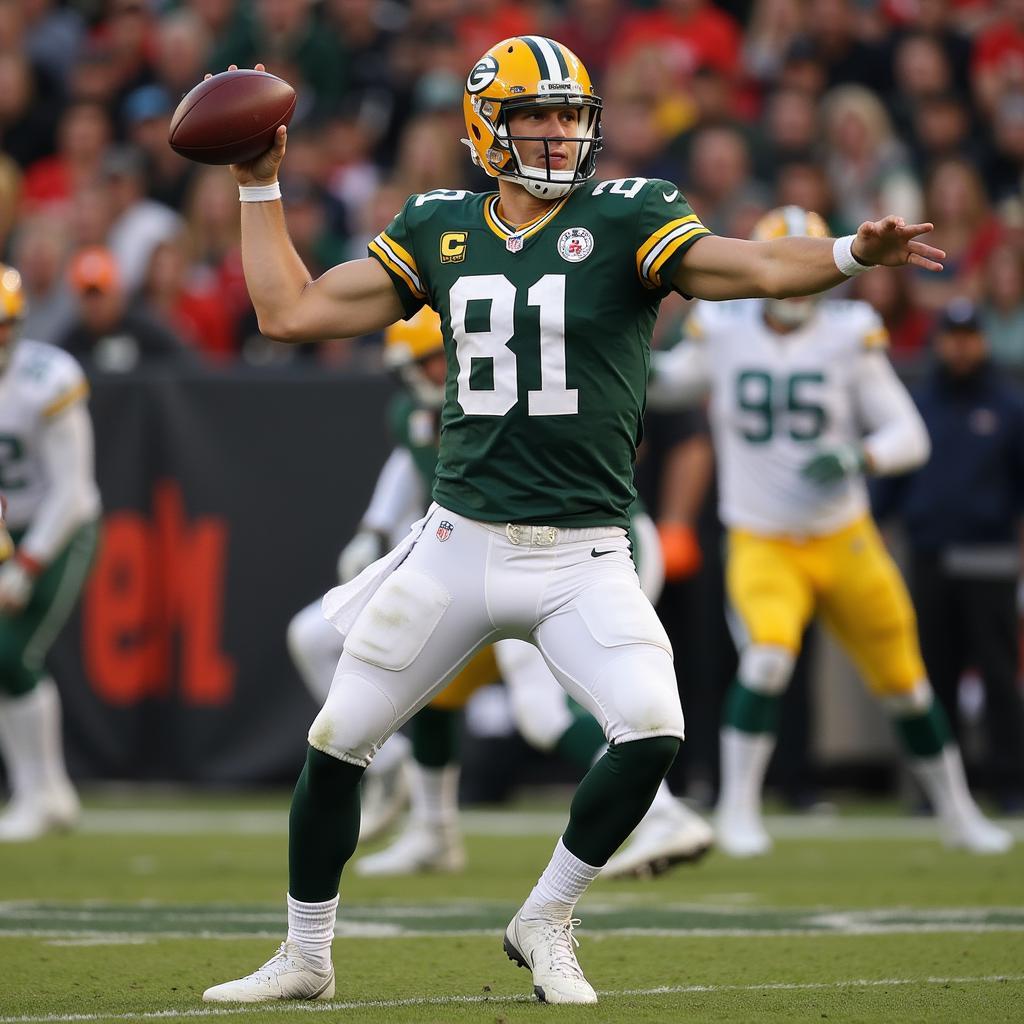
962	514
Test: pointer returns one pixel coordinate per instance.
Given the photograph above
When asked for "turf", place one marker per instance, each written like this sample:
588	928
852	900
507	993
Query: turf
135	921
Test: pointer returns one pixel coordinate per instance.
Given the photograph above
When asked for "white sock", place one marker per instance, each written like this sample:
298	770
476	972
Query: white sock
311	928
745	758
942	778
31	741
560	887
435	795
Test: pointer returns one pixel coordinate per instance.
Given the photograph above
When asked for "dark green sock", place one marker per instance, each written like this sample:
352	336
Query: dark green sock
924	735
580	743
614	795
323	826
435	736
748	711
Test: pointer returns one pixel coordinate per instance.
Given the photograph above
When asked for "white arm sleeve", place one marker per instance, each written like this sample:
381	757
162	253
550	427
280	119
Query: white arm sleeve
66	448
680	377
897	439
398	489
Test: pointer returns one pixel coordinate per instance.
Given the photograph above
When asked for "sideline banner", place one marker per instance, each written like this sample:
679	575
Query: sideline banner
227	497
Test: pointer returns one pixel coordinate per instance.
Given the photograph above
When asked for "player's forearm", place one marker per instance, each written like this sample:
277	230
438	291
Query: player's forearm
274	274
898	440
685	481
798	266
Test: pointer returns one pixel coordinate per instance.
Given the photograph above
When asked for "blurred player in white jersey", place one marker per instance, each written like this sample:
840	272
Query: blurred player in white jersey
46	476
428	767
804	403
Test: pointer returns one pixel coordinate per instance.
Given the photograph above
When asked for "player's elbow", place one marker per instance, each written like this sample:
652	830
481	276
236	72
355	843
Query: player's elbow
278	328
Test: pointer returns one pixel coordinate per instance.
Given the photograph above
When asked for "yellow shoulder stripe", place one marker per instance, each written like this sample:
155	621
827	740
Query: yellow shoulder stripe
878	338
74	394
397	260
658	247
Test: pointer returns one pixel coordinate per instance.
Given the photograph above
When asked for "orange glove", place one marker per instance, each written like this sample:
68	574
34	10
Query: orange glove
680	550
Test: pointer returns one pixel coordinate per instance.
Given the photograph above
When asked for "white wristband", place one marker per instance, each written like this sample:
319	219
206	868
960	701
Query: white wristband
842	253
259	193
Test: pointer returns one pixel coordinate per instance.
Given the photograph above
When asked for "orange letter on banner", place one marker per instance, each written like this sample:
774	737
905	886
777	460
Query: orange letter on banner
120	633
193	559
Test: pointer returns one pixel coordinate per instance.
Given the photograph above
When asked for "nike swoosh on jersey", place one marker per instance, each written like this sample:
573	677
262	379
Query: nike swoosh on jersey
594	553
670	197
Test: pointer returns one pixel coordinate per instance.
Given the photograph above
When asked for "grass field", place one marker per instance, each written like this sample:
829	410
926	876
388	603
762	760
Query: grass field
860	918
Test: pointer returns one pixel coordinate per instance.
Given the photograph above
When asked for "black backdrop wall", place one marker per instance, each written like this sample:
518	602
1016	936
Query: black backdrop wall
227	498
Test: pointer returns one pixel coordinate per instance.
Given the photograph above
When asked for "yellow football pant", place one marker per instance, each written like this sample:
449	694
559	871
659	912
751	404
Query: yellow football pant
777	584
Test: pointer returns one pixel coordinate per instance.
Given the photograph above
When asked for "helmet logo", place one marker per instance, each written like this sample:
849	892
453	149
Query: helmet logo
575	245
484	72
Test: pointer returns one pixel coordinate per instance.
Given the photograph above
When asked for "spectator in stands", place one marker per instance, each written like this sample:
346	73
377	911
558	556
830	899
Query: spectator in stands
181	51
146	115
921	70
287	36
53	35
831	38
139	223
185	299
997	60
803	183
1005	171
787	130
941	129
962	514
771	30
866	163
720	187
691	33
1002	311
591	29
108	335
29	109
40	252
965	228
83	133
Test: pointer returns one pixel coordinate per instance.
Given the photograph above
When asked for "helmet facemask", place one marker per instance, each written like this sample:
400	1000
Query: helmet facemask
543	181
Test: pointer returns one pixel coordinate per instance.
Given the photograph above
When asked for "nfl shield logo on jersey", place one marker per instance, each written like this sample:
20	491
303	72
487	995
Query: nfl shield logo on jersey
575	244
514	243
444	530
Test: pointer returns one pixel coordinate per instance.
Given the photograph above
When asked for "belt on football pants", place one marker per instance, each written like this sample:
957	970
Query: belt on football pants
526	535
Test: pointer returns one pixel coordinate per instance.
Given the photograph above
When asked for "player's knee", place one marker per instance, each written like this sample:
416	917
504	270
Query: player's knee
766	668
645	695
903	701
355	720
648	758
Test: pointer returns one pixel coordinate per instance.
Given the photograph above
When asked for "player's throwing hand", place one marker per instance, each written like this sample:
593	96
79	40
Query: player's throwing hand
892	242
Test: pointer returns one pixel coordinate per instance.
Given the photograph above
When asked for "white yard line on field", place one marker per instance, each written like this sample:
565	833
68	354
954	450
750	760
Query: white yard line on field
390	1004
170	821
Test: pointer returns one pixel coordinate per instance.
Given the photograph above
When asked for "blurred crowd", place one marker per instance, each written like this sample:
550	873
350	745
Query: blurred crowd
853	108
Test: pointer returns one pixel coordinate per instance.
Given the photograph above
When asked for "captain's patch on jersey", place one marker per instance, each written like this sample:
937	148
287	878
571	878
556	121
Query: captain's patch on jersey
453	246
575	244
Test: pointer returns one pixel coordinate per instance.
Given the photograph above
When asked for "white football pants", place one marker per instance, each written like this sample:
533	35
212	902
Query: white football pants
464	584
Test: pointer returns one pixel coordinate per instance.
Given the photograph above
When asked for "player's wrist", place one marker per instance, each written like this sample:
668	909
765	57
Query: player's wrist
259	192
846	259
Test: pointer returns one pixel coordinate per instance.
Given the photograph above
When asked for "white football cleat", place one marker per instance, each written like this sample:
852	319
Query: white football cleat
741	833
382	798
977	835
548	949
286	975
418	849
663	838
26	818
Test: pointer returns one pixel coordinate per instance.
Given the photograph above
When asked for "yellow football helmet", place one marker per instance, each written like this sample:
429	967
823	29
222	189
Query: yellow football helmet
529	71
406	344
783	222
12	309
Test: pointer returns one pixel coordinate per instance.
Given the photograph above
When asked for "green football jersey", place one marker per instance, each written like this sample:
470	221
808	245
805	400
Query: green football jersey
547	334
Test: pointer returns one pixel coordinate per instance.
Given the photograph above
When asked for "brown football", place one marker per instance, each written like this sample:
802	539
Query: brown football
231	117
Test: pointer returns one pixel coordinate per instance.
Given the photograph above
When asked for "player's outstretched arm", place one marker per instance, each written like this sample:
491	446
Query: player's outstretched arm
349	300
716	267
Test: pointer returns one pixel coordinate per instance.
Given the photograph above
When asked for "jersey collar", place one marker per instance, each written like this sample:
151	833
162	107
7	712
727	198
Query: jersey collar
505	231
